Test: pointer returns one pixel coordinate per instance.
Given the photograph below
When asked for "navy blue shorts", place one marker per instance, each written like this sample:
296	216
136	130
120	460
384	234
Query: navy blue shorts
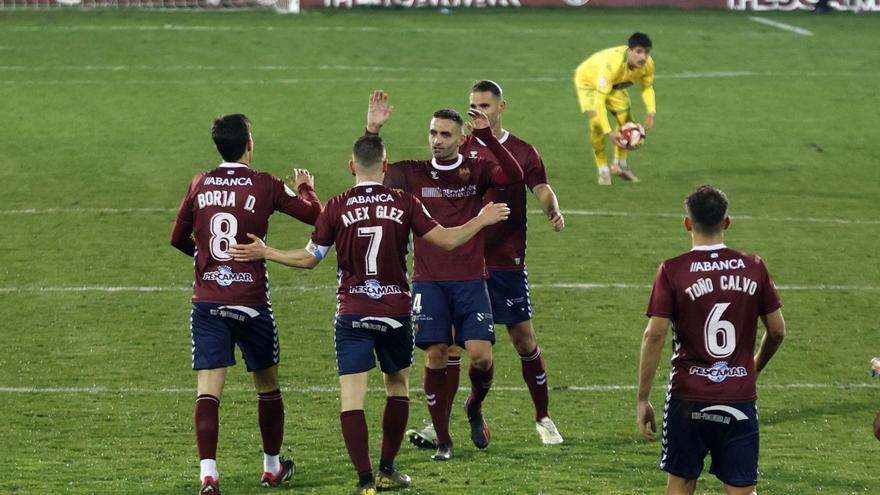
438	305
358	337
217	328
729	432
509	294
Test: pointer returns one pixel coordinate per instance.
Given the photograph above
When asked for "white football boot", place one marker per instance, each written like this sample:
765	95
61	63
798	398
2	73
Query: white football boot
547	429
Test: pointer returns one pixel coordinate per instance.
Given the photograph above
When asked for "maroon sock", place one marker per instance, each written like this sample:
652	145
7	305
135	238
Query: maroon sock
435	396
481	382
453	376
207	423
535	376
393	426
270	410
357	441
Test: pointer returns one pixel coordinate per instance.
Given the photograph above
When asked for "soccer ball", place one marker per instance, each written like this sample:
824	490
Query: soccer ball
634	135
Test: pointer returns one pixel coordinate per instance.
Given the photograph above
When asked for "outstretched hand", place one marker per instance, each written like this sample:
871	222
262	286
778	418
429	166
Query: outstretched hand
493	213
481	121
255	251
299	177
378	111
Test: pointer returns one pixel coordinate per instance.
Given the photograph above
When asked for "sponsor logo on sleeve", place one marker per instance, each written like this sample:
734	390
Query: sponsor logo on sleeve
224	276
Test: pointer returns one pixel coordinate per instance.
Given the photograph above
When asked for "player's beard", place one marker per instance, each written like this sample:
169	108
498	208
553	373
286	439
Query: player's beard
447	153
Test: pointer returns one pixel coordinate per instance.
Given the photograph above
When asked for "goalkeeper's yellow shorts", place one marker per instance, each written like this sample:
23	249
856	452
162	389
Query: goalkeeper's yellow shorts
617	101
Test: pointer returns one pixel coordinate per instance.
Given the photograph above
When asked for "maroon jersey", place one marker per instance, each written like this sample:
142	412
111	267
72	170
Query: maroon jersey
370	226
714	297
453	194
506	241
221	207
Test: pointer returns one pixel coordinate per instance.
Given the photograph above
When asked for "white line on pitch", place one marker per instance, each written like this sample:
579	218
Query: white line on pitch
599	213
819	287
231	28
293	30
43	211
782	25
347	80
333	390
283	288
593	213
717	74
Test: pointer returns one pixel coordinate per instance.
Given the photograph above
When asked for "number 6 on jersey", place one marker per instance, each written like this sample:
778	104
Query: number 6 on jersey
720	334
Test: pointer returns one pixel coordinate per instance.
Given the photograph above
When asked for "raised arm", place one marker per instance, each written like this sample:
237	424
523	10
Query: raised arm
449	238
378	111
649	358
509	171
772	339
306	206
258	251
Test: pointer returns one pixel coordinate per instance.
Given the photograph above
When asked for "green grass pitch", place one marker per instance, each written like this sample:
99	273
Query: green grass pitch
106	117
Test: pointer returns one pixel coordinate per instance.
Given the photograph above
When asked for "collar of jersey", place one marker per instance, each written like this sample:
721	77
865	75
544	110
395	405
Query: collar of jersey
232	165
502	139
713	247
451	166
367	183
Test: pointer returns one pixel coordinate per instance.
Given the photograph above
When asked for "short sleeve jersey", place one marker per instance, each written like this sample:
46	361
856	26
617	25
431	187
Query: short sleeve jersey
221	207
506	241
714	296
370	225
453	194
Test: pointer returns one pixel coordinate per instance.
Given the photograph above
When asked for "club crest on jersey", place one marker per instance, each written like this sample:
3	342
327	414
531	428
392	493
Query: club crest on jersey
464	174
719	371
373	289
225	277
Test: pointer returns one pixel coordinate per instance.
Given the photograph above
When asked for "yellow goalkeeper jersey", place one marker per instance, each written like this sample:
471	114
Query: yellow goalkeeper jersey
607	70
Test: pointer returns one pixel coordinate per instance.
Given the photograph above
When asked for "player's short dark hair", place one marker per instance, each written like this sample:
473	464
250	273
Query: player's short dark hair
368	151
487	85
231	133
449	114
639	39
707	208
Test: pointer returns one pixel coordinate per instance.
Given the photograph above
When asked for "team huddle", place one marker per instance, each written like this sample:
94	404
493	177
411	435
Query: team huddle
465	211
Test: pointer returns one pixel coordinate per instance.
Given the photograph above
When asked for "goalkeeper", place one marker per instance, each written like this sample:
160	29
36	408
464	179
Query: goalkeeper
601	83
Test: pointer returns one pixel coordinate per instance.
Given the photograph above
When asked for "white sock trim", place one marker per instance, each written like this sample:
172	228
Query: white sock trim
208	467
271	463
